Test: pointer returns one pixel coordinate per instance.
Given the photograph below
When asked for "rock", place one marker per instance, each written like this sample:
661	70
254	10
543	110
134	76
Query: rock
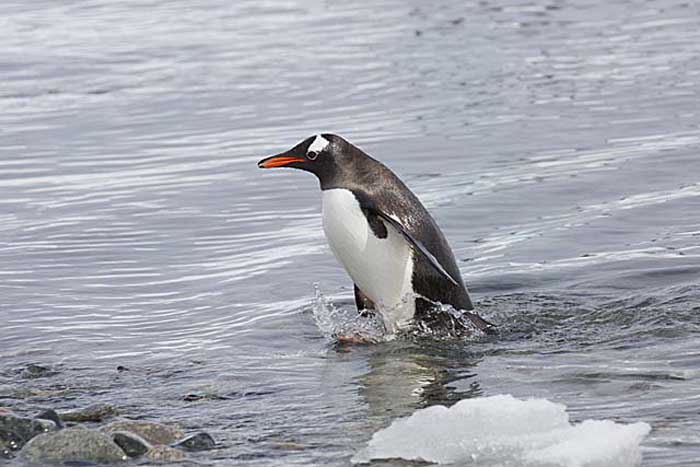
91	413
197	442
73	445
133	445
154	433
164	454
37	371
16	431
50	414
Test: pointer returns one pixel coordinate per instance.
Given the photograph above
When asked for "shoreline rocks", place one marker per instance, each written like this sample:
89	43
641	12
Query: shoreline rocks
16	431
44	440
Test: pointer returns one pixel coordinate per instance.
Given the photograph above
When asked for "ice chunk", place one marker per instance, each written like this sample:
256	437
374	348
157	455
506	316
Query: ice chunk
505	431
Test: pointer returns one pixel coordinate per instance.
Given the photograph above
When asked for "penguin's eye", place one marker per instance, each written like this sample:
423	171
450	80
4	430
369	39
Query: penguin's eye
311	155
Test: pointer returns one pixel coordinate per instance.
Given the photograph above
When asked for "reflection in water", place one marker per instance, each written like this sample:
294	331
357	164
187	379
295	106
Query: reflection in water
407	374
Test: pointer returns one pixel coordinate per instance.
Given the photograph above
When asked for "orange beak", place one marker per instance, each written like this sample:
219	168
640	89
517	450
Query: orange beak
278	161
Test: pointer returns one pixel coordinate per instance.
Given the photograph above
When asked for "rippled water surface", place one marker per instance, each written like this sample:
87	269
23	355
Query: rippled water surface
556	143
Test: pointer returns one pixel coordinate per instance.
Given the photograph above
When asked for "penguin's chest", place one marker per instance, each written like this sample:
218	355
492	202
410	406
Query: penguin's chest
381	267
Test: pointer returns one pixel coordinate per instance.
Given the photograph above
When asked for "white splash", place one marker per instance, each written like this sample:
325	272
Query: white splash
505	431
334	322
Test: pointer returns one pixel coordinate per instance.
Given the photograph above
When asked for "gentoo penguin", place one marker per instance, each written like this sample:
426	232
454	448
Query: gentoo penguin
382	234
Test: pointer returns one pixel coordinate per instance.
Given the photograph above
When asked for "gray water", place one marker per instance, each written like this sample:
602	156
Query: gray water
556	143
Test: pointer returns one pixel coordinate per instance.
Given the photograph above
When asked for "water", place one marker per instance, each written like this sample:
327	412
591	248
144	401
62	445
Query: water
557	144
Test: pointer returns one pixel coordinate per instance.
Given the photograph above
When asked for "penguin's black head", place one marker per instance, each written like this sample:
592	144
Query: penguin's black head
323	155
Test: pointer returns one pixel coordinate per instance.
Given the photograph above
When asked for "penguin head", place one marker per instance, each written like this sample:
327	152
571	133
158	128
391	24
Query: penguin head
323	155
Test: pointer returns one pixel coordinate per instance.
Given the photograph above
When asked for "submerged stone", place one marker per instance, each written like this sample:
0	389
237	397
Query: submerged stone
164	454
73	445
91	413
50	414
133	445
154	433
33	370
198	442
16	431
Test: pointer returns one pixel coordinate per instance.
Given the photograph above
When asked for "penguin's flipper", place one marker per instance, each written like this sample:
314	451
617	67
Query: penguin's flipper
364	304
416	244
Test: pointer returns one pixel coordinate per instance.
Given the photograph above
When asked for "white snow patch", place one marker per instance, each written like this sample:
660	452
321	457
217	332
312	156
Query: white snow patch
505	431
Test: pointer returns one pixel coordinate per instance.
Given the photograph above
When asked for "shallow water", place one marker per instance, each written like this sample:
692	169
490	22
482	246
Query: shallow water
557	144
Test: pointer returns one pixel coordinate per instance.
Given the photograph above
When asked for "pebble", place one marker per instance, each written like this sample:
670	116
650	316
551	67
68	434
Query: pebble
91	413
73	445
50	414
198	442
133	445
164	454
154	433
37	371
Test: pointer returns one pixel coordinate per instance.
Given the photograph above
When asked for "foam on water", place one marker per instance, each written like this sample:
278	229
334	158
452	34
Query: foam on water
505	431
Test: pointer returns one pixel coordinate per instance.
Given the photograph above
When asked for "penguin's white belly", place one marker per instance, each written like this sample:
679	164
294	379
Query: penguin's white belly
381	267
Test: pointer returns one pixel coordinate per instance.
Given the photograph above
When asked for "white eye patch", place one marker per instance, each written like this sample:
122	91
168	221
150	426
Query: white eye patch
318	145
